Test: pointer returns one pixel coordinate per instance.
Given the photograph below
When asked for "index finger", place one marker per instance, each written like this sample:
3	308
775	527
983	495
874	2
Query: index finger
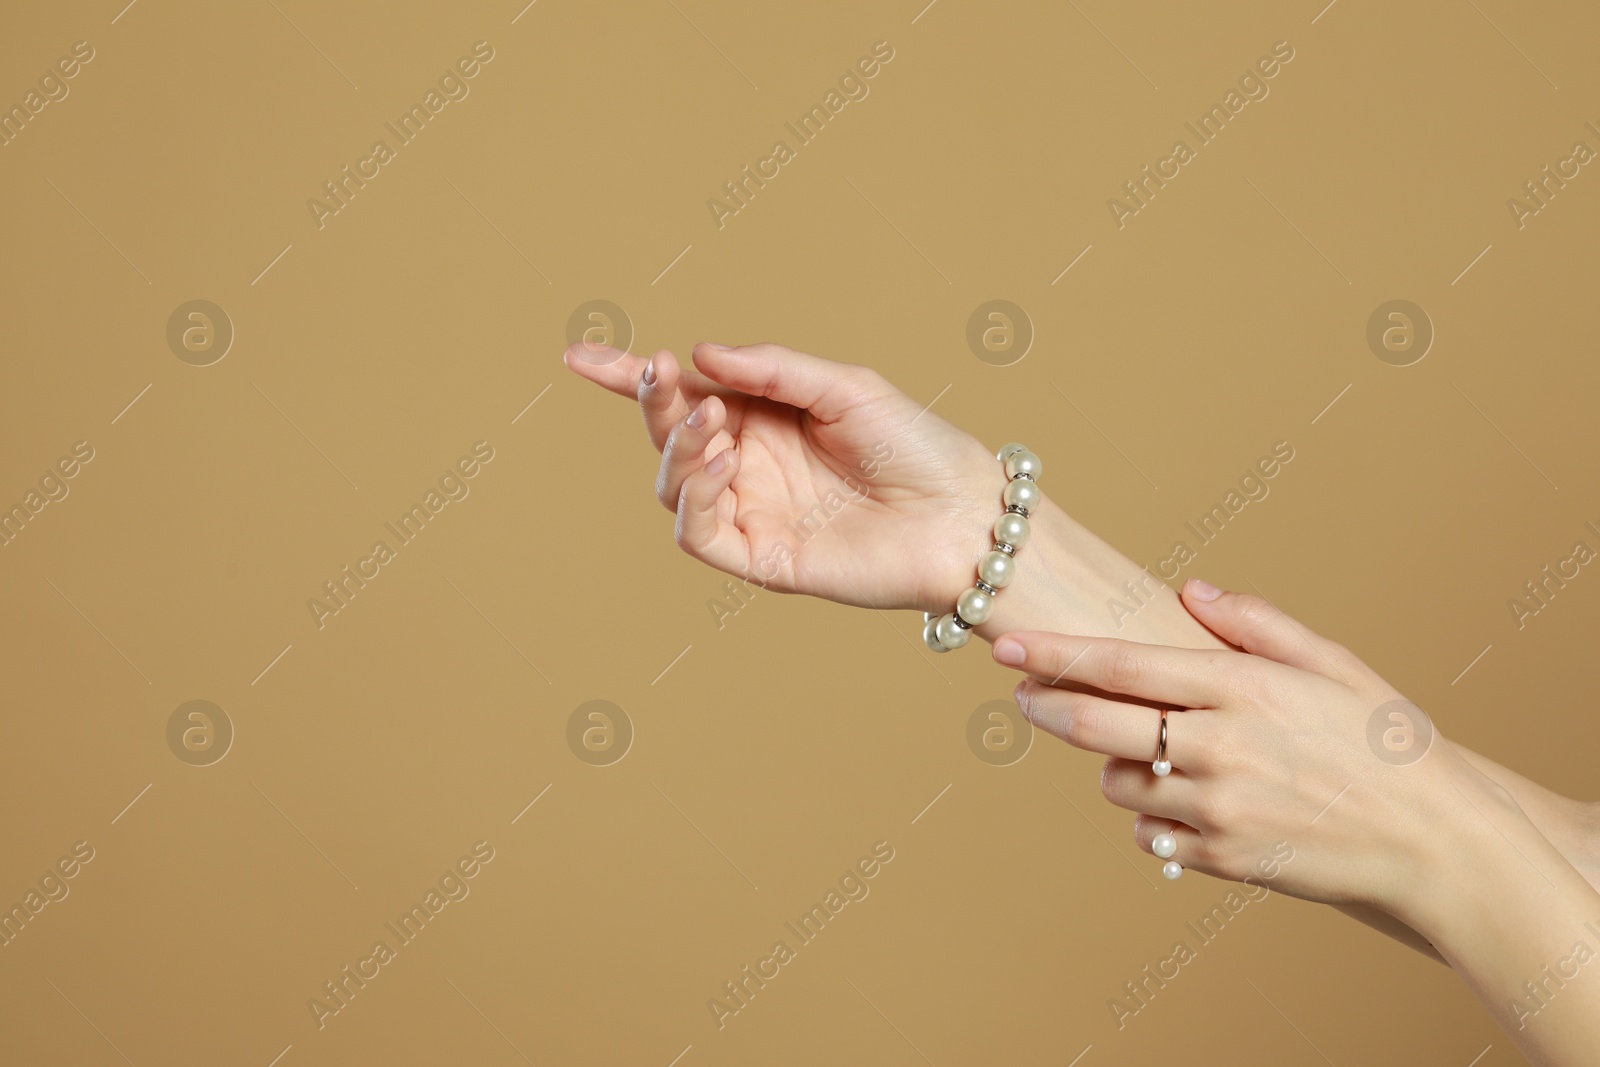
1190	678
608	367
619	372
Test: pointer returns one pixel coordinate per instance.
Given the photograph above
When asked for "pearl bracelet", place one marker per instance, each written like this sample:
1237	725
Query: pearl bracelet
998	566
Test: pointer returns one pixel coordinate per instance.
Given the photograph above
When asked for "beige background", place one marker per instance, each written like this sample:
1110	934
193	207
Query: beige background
372	353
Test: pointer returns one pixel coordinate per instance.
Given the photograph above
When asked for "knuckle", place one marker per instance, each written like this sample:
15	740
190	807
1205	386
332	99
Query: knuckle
1268	692
769	350
1083	722
1114	783
1222	756
1239	686
1237	677
1110	781
1027	700
1255	614
1342	657
1122	667
868	378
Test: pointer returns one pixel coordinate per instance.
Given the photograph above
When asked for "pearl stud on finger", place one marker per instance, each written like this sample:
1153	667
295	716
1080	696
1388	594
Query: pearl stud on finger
1162	766
1164	846
1172	871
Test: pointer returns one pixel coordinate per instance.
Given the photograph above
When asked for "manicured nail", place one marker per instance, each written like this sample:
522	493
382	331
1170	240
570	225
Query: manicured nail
697	417
650	371
719	348
1201	589
720	463
1010	652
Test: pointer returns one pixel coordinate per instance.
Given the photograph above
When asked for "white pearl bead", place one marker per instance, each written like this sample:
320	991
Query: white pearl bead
930	635
1022	493
1173	870
950	635
1008	448
1164	846
1024	462
997	569
1011	529
1162	767
974	606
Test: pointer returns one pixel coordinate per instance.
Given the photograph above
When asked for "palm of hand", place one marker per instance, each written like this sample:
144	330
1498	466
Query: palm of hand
872	509
844	487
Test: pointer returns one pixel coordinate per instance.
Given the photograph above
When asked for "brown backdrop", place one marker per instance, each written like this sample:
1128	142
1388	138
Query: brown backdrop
374	346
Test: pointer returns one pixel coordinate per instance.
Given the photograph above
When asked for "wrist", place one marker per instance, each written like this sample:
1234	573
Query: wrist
1465	847
1070	581
1572	826
1065	579
1575	830
1059	583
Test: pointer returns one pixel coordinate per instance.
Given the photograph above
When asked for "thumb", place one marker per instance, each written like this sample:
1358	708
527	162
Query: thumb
1261	629
824	388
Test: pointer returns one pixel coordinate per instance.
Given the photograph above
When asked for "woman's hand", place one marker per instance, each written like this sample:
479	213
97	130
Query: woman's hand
809	476
1283	773
1275	748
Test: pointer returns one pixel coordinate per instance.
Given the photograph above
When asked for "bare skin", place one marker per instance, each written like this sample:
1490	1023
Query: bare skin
1272	759
754	437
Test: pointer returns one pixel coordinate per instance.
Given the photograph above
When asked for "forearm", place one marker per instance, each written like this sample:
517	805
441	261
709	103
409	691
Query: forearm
1070	581
1389	926
1516	921
1570	825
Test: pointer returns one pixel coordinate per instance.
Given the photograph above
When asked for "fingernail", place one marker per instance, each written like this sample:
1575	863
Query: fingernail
1201	589
719	464
1010	652
650	372
719	348
697	417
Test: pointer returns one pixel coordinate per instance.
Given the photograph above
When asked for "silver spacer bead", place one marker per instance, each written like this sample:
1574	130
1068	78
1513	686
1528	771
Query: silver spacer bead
963	623
1018	509
1024	474
986	587
1001	546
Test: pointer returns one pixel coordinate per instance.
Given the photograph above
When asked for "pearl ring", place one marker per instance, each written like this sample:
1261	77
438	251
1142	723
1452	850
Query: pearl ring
1162	766
1165	845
